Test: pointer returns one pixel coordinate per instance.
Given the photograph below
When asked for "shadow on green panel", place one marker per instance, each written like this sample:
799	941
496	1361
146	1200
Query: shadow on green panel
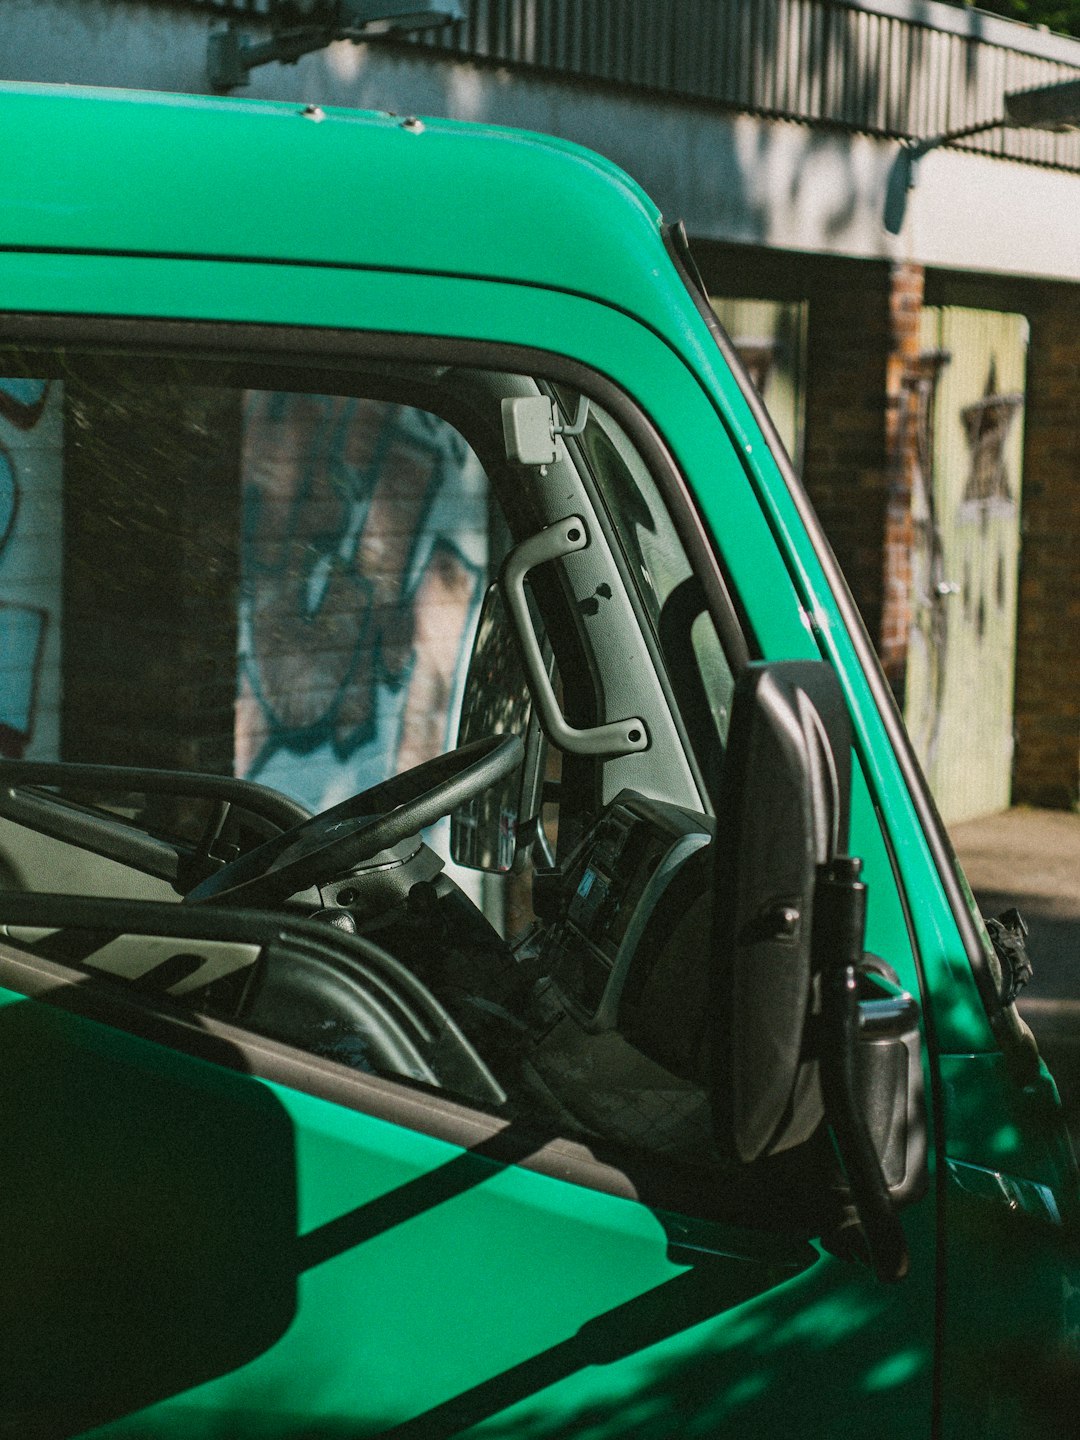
148	1209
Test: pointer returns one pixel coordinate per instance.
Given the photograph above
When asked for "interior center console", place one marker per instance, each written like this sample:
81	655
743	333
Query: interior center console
612	896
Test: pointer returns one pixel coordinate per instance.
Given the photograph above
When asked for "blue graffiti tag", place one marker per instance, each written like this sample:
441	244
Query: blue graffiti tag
22	627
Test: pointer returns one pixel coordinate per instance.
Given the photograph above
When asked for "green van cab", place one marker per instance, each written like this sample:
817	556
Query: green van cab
477	953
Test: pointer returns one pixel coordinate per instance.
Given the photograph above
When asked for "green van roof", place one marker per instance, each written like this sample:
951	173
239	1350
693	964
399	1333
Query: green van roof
159	174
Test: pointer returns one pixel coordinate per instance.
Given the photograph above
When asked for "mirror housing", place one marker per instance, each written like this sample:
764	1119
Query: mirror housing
807	1029
784	802
889	1079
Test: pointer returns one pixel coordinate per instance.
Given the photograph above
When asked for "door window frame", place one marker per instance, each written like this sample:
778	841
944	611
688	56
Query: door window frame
636	1176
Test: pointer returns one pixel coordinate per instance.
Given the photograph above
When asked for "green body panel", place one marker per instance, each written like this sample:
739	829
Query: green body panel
397	1278
347	1253
262	181
992	1121
1008	1356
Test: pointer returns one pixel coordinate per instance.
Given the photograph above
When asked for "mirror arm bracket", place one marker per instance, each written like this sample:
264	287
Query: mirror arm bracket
839	932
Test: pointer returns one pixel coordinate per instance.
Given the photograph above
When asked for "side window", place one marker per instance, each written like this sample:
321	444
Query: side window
272	598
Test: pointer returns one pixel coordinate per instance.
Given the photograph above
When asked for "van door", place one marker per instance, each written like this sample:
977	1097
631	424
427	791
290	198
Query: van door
486	1200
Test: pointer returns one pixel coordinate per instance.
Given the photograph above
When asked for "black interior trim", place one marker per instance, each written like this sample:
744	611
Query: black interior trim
97	832
260	800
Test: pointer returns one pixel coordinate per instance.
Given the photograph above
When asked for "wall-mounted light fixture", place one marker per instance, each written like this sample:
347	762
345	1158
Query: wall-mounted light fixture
297	27
1049	107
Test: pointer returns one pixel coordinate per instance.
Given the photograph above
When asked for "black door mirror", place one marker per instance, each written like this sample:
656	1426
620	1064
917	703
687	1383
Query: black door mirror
783	808
805	1028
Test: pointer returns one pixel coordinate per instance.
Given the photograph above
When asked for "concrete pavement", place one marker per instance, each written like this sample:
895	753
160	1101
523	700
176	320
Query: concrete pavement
1031	855
1031	859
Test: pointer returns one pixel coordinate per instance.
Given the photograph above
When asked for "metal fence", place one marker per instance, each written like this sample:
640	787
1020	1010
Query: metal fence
883	67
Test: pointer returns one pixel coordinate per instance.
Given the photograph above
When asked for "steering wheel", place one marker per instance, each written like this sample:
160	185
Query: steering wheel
352	832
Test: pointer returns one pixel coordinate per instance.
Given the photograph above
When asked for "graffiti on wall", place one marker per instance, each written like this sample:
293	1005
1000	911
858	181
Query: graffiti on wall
981	565
29	578
988	492
928	637
363	556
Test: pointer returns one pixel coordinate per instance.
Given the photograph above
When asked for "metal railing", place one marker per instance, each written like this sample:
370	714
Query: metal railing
883	67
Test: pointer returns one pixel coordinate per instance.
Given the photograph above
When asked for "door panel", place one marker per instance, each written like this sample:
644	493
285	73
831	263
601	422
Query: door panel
149	1209
966	514
416	1282
221	1253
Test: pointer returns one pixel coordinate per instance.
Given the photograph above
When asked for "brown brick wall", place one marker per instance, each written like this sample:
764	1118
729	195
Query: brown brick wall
1048	627
845	459
149	640
846	464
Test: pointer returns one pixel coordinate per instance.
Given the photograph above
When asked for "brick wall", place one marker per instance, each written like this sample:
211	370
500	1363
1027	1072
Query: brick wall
846	466
849	333
901	371
1048	629
149	644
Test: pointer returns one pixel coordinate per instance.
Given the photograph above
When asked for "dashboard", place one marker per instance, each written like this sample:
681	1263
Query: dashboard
620	891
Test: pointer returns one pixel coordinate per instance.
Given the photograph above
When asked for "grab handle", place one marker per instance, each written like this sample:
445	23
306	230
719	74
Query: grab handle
618	737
